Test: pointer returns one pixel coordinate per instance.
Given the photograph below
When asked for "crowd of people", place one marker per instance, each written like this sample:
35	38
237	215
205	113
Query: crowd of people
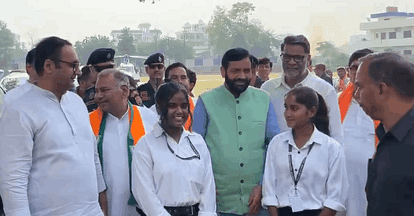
300	144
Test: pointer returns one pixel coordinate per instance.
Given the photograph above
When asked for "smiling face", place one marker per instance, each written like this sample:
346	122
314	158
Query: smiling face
177	111
291	68
109	95
297	114
64	75
179	75
237	76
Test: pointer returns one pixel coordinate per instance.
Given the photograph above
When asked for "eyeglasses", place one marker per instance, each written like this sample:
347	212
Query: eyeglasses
196	156
159	66
74	66
297	58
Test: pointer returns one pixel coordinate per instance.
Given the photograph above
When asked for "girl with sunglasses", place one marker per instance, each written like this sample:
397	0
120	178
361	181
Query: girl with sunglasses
305	173
171	167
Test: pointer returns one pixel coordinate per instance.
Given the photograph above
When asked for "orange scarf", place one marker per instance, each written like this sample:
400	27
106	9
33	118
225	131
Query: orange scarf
188	124
345	100
137	126
342	85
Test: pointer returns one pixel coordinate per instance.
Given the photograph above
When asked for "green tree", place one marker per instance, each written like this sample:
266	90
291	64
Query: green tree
89	44
233	28
330	56
172	48
11	50
126	43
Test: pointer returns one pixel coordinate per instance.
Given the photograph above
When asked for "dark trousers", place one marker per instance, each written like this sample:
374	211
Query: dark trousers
287	211
181	211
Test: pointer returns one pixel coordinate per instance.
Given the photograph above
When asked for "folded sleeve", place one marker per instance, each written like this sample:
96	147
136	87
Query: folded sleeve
270	178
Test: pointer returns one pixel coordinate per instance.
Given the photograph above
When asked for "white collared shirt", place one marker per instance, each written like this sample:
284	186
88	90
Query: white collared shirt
48	160
115	160
277	89
359	146
323	182
160	179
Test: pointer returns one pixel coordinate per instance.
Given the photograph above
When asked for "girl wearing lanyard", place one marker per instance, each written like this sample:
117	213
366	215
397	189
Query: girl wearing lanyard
305	172
171	167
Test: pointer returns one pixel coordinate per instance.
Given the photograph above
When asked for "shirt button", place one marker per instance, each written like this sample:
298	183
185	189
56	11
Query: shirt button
298	152
237	102
240	133
242	181
296	169
241	164
240	149
239	117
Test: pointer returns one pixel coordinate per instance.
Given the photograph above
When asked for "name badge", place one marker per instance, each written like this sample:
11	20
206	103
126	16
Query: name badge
295	202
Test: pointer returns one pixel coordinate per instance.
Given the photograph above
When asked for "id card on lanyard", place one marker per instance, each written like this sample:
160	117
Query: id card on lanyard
295	199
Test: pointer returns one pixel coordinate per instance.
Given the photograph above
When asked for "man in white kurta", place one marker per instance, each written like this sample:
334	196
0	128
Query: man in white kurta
48	159
115	140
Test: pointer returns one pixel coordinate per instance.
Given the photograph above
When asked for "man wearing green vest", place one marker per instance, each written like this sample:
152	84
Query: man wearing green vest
118	125
237	122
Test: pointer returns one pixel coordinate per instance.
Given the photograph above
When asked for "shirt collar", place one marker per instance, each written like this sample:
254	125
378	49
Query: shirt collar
46	93
400	130
317	137
281	81
159	131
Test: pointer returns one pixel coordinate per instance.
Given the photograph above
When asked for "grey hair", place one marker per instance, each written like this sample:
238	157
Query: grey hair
120	78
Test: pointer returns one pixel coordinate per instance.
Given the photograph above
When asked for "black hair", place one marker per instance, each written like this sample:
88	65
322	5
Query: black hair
86	71
30	57
235	54
392	69
310	98
49	48
164	94
321	65
192	76
358	54
265	60
296	40
254	61
175	65
132	82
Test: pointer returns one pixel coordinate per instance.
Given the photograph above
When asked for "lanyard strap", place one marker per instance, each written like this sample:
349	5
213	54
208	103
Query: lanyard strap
296	180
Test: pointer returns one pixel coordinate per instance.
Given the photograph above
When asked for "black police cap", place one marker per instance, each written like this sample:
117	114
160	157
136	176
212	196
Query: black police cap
154	59
101	55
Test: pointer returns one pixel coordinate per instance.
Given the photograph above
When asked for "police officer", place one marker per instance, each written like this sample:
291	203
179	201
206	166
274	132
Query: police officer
154	67
99	60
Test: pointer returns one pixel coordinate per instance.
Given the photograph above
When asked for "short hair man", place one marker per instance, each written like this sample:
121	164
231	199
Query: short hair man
255	81
264	68
342	81
118	125
193	80
358	143
85	81
295	56
47	143
154	67
30	69
237	122
320	71
329	73
385	91
99	60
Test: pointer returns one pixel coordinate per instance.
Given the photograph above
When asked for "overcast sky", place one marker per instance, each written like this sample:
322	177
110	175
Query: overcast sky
319	20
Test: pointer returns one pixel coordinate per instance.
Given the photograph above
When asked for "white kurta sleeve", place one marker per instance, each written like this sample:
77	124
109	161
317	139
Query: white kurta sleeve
337	182
335	125
16	144
208	193
98	167
270	177
143	187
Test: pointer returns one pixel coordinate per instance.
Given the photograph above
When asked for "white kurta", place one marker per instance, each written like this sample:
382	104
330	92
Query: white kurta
323	182
48	160
161	179
277	89
359	146
115	161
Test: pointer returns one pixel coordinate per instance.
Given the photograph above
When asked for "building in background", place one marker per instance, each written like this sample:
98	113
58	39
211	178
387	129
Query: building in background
141	35
389	31
196	35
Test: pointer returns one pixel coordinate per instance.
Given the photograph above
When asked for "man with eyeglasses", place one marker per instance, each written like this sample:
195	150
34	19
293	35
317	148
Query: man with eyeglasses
154	67
295	57
118	125
50	164
100	59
